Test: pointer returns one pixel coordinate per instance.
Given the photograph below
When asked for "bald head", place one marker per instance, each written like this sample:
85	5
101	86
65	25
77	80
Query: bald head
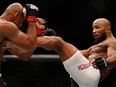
14	13
102	21
14	7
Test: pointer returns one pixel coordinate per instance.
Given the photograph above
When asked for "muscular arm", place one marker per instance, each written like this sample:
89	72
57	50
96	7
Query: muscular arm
111	52
26	42
110	61
21	53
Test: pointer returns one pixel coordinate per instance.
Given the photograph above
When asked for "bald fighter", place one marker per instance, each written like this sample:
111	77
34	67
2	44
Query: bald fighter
10	20
86	67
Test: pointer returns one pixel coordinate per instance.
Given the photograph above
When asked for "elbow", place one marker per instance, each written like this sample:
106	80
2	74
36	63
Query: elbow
30	44
26	56
25	59
32	47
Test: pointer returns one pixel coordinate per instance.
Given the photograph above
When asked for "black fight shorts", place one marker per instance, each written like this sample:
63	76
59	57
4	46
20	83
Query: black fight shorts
73	83
2	83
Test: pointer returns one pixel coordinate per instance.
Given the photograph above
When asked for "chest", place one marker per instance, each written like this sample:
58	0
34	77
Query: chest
99	49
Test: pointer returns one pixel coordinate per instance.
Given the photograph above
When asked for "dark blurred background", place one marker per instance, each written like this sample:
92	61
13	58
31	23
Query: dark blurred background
71	19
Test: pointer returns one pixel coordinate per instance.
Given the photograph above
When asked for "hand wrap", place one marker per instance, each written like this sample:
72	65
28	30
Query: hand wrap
101	62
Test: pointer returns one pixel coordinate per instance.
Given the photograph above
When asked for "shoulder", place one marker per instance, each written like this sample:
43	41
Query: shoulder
6	25
111	41
8	29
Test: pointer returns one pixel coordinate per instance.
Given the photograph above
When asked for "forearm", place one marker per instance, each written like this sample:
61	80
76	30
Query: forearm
31	29
24	55
111	61
31	14
20	52
32	32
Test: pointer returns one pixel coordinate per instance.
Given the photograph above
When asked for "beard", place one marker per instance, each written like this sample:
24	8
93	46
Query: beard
100	39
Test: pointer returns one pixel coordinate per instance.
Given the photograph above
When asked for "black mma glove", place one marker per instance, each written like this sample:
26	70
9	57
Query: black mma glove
49	32
101	62
31	12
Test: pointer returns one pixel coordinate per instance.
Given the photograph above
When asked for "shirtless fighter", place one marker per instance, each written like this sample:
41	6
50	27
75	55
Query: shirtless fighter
82	64
10	20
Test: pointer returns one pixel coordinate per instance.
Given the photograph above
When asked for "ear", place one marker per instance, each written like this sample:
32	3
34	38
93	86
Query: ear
16	14
107	28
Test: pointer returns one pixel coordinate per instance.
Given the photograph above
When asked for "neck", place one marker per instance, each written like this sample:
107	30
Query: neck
109	34
7	18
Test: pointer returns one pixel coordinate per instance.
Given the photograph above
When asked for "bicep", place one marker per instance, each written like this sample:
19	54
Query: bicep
18	38
12	33
111	59
111	51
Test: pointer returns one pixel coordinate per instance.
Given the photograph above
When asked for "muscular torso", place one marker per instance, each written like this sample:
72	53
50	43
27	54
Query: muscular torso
100	50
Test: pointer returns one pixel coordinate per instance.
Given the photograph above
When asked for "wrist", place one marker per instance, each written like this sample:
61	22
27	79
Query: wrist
39	31
101	62
31	19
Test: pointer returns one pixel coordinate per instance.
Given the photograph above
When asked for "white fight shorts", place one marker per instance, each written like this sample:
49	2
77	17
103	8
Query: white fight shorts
82	71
